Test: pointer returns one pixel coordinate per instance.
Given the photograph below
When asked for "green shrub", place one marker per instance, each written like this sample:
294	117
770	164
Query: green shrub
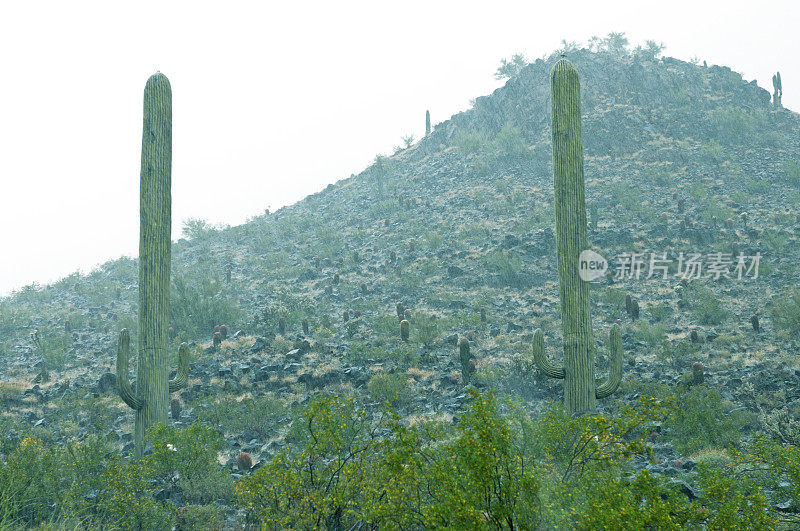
384	387
482	478
126	498
196	228
10	392
469	142
639	502
711	151
652	335
714	458
337	474
200	304
733	501
426	327
201	518
581	445
660	312
703	420
405	355
705	305
192	454
234	416
774	466
785	313
432	240
316	480
791	170
732	123
510	142
506	264
56	484
510	68
32	481
615	298
55	348
680	354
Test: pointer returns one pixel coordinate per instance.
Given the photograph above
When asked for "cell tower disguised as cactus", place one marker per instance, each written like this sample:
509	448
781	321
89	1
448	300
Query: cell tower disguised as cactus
580	391
151	398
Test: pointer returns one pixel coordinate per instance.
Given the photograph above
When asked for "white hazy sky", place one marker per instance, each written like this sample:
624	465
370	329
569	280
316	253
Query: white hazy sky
272	101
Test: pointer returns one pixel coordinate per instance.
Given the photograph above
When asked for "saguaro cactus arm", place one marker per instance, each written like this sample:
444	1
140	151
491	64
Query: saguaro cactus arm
615	373
540	358
123	381
179	382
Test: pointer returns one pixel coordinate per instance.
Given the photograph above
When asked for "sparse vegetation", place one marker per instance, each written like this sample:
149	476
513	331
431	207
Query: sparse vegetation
705	305
786	313
377	364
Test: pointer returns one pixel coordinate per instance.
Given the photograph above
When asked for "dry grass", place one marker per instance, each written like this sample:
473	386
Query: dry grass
420	374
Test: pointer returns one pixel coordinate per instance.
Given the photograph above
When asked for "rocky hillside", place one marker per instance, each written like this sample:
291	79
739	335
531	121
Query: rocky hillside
459	230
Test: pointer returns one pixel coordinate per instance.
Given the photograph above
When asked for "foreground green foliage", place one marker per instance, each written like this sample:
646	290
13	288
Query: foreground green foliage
498	467
490	471
85	482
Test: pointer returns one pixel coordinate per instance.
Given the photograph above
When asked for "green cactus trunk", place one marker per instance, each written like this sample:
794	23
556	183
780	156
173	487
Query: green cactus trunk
570	210
580	391
151	400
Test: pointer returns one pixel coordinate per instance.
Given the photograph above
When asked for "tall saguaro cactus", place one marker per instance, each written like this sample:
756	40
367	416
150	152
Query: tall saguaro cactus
580	390
427	123
777	90
151	398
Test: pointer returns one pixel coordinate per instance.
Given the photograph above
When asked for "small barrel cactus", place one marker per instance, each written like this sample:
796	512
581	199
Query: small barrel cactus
244	461
345	316
282	325
634	309
305	327
698	373
404	329
217	340
693	336
175	408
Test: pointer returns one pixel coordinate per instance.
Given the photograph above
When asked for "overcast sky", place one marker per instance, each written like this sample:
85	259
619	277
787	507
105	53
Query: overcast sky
273	103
